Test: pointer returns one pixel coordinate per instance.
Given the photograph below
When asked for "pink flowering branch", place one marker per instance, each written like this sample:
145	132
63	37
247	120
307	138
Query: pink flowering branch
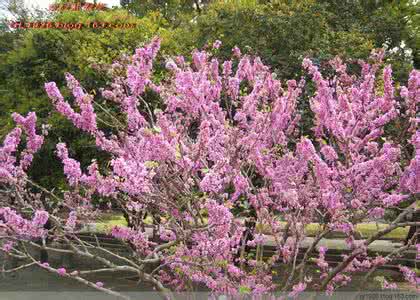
228	139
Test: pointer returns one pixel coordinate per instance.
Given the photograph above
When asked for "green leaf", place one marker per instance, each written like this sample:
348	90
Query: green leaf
151	164
222	263
244	289
157	129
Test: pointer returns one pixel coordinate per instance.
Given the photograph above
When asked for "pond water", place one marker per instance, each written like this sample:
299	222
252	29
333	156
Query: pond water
39	280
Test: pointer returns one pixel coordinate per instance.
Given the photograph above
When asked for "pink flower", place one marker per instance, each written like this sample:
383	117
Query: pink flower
236	52
409	275
61	271
167	235
234	271
322	250
379	260
40	218
394	200
71	221
171	65
217	44
34	141
377	212
241	186
321	262
297	289
389	286
21	227
99	284
251	243
71	166
121	233
329	153
8	246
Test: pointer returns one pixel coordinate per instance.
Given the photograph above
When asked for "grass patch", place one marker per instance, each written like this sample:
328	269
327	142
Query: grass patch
366	230
105	223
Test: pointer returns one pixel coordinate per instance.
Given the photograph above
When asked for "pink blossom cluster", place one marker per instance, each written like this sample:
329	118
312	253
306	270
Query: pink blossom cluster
411	277
138	239
10	167
13	224
230	134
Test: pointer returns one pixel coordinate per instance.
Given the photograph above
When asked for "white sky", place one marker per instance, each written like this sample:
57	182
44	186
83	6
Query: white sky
46	3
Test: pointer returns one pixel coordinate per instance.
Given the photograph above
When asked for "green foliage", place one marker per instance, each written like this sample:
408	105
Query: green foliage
32	57
282	32
244	289
172	10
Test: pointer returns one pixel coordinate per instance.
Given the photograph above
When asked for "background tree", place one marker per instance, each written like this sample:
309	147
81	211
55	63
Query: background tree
31	57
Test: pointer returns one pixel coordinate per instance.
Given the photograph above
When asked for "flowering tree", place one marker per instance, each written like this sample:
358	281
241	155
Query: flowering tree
228	138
